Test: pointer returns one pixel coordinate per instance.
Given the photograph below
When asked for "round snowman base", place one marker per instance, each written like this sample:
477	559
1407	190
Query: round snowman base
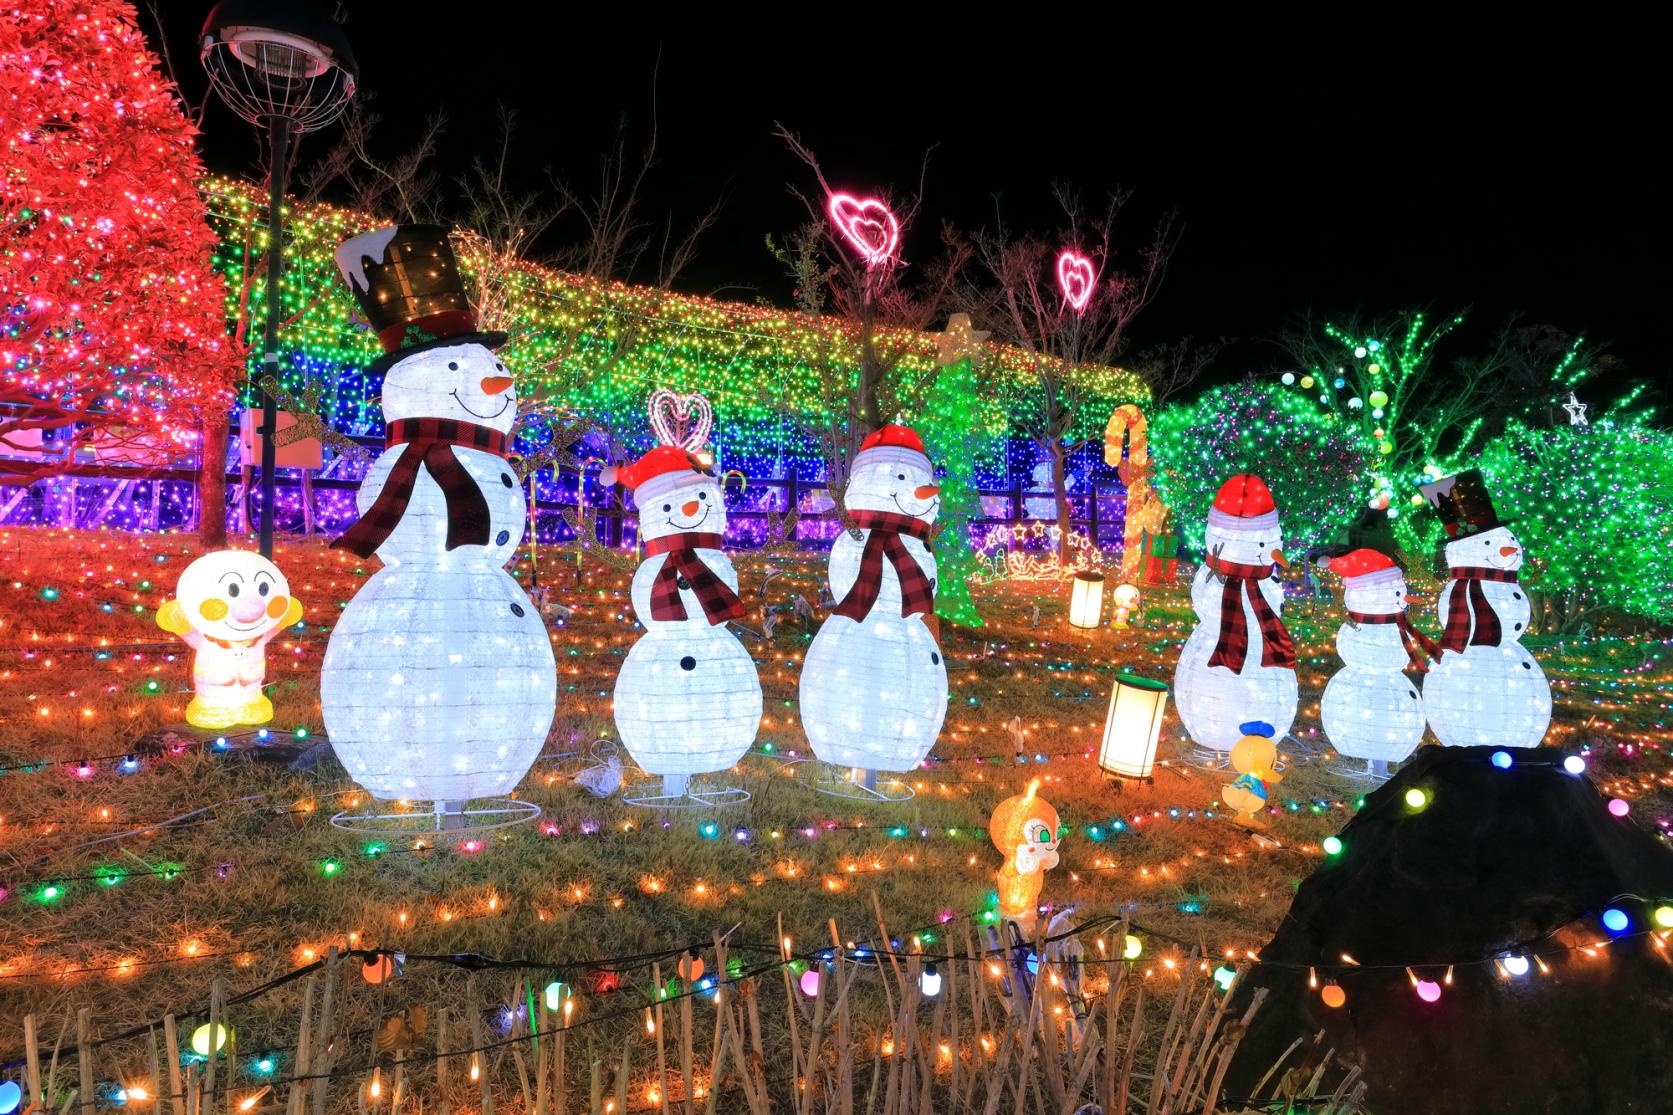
860	784
1371	772
451	818
678	791
1209	758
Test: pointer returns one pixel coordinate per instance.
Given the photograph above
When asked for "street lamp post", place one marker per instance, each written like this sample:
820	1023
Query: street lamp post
281	65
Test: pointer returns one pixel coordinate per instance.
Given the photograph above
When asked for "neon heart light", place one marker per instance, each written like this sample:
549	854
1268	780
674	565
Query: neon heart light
867	224
1075	278
682	420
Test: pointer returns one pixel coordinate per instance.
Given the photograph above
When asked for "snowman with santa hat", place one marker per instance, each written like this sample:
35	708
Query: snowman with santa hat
1486	689
439	682
1370	710
874	684
1239	663
688	698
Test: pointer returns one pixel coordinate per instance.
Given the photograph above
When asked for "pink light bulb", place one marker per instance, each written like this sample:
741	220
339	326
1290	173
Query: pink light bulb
1428	990
1618	807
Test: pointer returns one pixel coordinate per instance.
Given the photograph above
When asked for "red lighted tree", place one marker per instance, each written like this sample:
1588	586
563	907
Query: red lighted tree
112	322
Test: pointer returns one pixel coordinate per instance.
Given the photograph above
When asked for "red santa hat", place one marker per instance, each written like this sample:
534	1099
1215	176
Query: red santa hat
1362	568
890	444
1244	505
661	470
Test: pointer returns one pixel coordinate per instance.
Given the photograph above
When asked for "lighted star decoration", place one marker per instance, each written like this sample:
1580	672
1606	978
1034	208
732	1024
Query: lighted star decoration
959	342
1576	410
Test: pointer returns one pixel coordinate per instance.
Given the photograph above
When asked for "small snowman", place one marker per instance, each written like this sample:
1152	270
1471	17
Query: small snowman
874	685
439	681
1239	661
1370	709
227	606
688	699
1487	689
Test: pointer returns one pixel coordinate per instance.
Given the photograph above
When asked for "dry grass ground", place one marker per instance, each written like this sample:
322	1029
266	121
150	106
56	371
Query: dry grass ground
260	882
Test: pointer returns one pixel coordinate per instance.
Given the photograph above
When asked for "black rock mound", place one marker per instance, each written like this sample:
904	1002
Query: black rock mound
1508	875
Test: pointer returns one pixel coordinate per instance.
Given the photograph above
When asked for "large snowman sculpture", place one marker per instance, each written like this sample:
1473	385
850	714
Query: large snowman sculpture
1487	689
439	682
688	700
1370	710
1239	663
874	686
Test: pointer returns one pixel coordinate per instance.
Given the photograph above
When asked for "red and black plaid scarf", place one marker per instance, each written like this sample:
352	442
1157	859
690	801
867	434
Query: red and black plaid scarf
1470	619
719	602
428	442
1232	646
917	596
1420	648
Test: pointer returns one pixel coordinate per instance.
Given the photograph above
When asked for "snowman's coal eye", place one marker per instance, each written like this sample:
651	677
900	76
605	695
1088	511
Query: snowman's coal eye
452	365
499	367
703	495
668	507
902	476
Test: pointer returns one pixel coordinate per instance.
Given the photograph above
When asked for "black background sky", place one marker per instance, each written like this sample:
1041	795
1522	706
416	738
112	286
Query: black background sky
1317	169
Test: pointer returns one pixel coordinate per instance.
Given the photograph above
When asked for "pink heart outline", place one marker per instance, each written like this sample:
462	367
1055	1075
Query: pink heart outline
868	225
1076	279
681	420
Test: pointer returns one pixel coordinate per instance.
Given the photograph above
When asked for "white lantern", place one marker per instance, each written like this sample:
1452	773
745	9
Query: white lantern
1086	599
1133	727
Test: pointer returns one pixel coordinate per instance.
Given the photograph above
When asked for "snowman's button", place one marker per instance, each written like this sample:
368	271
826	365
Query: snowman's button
1516	596
502	538
505	478
688	663
1527	665
935	658
517	610
682	582
1412	693
1519	627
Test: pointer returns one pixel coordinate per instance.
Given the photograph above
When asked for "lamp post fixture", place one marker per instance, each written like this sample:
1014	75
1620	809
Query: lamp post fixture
281	65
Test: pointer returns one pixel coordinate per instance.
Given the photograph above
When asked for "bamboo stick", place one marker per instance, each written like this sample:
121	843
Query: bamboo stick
32	1054
442	1106
84	1056
171	1043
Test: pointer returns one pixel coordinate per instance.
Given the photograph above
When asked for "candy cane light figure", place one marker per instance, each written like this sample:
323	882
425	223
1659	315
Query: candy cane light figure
227	606
1024	829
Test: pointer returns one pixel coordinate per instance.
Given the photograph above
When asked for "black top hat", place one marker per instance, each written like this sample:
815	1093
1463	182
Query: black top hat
1463	504
407	283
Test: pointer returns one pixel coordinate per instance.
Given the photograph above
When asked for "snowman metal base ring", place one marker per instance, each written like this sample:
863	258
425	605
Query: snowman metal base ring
450	818
1373	772
680	793
856	784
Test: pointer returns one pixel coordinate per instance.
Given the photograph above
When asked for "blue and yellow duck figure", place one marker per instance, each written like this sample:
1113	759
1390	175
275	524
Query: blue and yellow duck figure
1255	758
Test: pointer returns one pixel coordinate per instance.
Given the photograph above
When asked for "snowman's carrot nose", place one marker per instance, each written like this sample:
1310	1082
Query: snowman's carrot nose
493	385
1506	551
1410	599
690	507
926	491
1279	558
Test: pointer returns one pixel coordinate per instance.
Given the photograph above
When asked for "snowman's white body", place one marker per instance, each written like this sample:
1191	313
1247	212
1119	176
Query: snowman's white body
439	682
1494	695
688	698
1370	709
1213	700
874	691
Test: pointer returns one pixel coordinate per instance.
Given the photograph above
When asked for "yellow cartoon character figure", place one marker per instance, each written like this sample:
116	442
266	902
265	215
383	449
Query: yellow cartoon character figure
1024	829
227	607
1254	757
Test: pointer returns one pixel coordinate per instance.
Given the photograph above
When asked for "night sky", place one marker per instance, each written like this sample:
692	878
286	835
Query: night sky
1374	171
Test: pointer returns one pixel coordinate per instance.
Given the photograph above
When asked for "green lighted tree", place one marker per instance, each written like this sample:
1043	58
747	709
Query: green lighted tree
1589	504
1317	465
954	435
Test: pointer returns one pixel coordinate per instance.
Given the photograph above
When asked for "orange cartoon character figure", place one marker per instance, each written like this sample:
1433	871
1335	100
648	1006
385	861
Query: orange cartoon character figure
1024	829
228	606
1255	758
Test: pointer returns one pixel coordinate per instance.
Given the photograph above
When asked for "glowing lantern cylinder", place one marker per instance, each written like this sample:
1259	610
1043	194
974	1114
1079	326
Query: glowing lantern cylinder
1086	600
1133	726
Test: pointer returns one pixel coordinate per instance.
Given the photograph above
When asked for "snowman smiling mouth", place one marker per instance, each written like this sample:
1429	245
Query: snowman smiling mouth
921	512
505	401
673	522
